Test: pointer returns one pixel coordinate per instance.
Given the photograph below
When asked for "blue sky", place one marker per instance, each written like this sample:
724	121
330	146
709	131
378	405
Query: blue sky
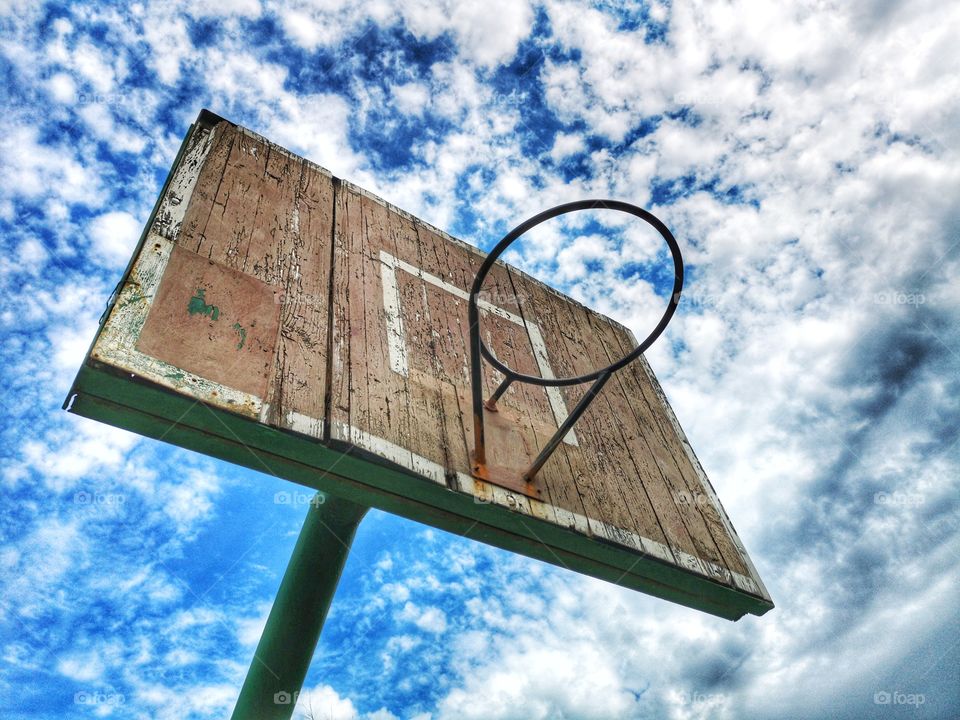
806	158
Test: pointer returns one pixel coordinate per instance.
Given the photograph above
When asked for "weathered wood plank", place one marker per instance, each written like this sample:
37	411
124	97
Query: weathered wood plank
514	434
695	502
207	187
213	321
250	222
182	192
529	405
655	473
599	461
298	398
667	456
448	268
378	396
346	223
116	344
425	407
265	212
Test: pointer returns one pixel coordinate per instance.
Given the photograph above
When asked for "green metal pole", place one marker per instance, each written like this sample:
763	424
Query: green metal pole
293	628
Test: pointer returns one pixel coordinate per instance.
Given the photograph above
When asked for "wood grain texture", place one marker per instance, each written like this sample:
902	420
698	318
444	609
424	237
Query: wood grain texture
265	212
601	467
693	505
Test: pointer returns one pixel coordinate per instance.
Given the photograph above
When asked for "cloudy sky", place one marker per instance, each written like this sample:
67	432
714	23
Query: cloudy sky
805	155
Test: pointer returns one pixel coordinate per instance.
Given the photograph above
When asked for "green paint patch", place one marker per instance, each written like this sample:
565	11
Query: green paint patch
241	334
198	306
135	296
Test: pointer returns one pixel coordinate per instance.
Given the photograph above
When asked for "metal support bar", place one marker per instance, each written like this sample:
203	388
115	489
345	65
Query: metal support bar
491	404
290	637
564	428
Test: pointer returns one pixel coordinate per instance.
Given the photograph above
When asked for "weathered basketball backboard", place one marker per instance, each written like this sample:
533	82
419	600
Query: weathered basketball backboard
289	321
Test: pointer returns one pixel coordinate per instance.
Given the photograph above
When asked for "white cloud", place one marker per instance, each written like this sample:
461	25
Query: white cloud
486	35
250	629
199	699
315	126
70	345
114	236
199	616
63	88
489	33
90	62
189	498
165	30
322	701
303	29
383	714
237	77
310	30
32	170
396	592
225	8
31	254
565	144
429	619
411	98
576	674
84	667
66	455
47	555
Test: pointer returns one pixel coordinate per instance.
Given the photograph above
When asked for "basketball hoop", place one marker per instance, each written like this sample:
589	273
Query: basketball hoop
480	351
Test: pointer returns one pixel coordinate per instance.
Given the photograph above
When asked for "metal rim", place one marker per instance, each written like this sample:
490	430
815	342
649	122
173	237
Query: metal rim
553	212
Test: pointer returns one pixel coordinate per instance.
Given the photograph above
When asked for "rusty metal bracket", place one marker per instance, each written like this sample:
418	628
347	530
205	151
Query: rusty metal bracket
479	350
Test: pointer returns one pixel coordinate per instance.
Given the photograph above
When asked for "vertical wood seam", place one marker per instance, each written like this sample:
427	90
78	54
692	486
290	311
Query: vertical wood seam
328	380
275	395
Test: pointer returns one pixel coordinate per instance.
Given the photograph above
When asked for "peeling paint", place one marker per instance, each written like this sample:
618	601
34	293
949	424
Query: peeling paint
198	306
241	333
116	344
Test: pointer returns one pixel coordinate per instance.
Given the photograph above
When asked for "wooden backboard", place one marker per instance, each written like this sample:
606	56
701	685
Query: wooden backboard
289	321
